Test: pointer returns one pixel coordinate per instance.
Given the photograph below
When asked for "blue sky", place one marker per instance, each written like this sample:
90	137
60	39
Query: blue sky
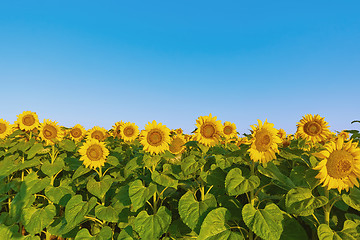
99	62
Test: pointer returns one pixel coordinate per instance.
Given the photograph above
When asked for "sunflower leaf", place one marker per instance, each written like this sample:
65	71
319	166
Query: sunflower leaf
236	184
352	199
139	194
100	188
35	149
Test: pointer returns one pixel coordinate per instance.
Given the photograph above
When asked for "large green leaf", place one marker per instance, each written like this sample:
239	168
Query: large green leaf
352	199
35	149
139	194
272	171
104	234
151	227
35	220
326	233
300	201
67	145
100	188
236	184
76	209
164	180
266	223
292	229
51	169
190	165
215	226
193	212
59	195
109	214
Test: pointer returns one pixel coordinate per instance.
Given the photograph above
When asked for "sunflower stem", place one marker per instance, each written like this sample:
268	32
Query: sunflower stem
155	205
252	195
327	208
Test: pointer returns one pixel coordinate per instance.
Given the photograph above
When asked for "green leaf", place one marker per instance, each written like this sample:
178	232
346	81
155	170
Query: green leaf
215	226
274	173
151	227
139	194
100	188
35	149
29	163
109	214
164	180
68	145
266	223
223	162
126	234
292	229
325	233
76	209
189	165
7	166
236	184
352	199
80	171
32	184
300	201
112	160
59	195
51	169
193	212
35	220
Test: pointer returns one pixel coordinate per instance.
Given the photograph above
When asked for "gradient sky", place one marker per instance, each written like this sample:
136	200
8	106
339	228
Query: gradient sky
99	62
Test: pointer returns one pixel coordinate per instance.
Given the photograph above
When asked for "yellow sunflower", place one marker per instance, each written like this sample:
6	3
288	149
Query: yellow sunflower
155	138
340	167
281	134
27	120
98	133
242	140
177	144
179	131
129	132
77	133
313	128
264	142
93	153
116	129
5	128
208	130
50	132
229	130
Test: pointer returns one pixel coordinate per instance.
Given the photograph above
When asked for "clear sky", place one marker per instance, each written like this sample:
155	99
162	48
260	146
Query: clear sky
99	62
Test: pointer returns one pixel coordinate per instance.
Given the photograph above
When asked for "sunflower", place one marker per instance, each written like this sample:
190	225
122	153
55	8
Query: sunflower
50	132
129	132
77	133
177	144
242	140
229	130
155	138
98	133
179	131
93	153
116	129
27	121
281	134
340	167
5	128
313	128
264	142
208	130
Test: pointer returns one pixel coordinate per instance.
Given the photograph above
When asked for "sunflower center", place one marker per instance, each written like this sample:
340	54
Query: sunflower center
94	153
49	132
98	135
28	120
208	130
155	137
2	128
176	145
339	164
312	128
75	132
228	130
263	140
129	131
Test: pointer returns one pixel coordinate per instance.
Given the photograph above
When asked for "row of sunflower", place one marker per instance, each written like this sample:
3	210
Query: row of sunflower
163	184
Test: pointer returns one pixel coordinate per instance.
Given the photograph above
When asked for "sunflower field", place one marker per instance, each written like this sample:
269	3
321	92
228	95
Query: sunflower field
158	183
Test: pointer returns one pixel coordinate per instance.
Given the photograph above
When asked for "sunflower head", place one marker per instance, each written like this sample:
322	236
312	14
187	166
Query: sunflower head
177	144
93	153
229	130
50	132
340	165
129	132
208	130
98	133
27	121
77	133
281	134
313	128
117	129
264	142
5	128
178	131
155	138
